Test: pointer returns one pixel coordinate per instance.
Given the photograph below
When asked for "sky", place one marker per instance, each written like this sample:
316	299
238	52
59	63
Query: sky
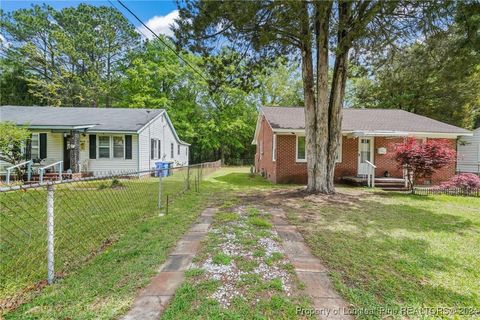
158	15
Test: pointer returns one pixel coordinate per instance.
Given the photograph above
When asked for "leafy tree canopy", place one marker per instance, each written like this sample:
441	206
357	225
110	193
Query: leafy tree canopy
438	77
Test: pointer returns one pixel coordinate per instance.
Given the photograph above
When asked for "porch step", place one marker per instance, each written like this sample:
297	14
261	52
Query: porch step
390	184
403	189
49	176
388	180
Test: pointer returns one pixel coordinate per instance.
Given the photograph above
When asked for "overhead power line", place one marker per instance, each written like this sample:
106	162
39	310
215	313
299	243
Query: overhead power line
164	42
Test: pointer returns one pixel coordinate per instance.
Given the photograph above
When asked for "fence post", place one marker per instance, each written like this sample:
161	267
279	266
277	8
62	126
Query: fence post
50	234
188	177
160	189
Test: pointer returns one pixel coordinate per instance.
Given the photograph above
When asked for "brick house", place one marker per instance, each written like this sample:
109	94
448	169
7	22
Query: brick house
367	135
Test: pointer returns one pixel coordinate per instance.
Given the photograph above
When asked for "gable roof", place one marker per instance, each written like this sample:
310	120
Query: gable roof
371	120
95	119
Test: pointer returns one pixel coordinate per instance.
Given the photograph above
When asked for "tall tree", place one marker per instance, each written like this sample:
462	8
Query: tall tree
70	56
281	85
151	76
216	117
437	77
310	28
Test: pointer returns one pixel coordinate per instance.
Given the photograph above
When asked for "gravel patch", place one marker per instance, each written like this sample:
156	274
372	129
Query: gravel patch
238	240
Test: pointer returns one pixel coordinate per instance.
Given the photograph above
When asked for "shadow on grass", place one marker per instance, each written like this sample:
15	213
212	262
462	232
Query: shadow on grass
244	180
384	252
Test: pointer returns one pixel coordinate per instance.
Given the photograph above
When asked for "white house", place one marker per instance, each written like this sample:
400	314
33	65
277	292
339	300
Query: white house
99	140
468	153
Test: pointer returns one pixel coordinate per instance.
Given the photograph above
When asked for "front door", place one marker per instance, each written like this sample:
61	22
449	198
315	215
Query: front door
365	153
66	152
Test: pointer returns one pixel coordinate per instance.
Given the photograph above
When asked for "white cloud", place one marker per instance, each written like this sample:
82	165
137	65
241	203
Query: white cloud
160	25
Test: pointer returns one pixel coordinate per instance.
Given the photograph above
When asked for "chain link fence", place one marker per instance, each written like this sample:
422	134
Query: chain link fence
48	229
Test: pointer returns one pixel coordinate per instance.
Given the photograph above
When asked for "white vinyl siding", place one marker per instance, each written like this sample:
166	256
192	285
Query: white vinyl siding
468	153
160	130
101	166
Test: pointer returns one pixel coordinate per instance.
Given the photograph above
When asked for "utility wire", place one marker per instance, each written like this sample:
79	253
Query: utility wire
113	4
165	43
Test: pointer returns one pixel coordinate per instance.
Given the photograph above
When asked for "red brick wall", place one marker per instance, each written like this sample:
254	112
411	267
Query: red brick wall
263	162
348	166
289	171
448	171
385	162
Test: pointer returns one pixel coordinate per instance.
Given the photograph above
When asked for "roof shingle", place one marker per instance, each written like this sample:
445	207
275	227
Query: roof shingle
103	119
363	120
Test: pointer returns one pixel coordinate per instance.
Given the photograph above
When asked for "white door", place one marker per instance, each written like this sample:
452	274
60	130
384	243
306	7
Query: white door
365	152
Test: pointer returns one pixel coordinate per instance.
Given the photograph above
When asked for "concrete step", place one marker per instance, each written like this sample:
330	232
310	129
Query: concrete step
389	184
389	180
403	189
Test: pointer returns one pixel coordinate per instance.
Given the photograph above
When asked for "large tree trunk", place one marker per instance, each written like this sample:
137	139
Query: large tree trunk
337	93
323	107
322	21
309	97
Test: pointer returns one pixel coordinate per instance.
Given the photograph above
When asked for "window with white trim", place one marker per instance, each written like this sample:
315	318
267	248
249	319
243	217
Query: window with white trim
118	147
274	148
35	146
103	147
301	150
171	150
339	152
153	149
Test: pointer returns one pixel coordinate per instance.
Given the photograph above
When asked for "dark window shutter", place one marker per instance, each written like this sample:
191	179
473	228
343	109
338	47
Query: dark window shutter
159	150
43	145
28	148
128	147
92	146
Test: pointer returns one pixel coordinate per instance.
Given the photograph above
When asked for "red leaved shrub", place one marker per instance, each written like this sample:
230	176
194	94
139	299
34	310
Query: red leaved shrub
464	181
422	159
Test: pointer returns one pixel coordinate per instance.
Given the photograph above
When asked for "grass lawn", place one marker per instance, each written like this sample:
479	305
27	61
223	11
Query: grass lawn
88	215
383	250
395	250
105	286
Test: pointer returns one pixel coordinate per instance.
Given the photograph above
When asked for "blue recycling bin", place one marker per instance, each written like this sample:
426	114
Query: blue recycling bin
162	168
